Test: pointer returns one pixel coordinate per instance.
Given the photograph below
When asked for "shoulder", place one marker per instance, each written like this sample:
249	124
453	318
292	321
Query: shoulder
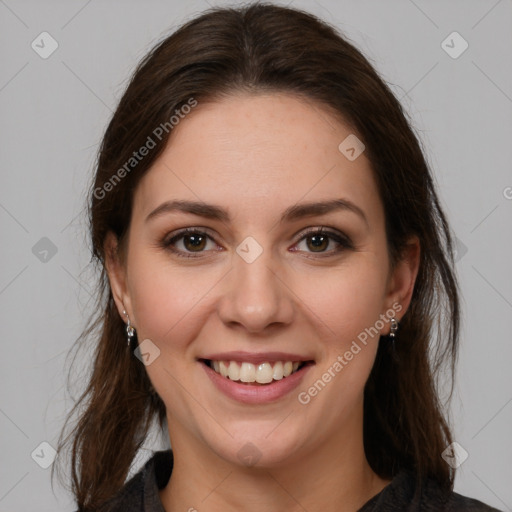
458	502
404	494
433	498
140	493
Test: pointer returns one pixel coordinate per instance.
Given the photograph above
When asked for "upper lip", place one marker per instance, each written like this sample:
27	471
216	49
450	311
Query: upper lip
256	357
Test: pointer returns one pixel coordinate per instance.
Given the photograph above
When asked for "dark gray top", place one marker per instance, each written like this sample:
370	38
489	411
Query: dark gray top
140	493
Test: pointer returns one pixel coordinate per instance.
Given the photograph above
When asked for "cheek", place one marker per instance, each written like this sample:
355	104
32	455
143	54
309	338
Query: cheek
165	299
346	300
170	306
347	305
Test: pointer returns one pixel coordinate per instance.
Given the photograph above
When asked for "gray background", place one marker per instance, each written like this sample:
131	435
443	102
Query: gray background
53	113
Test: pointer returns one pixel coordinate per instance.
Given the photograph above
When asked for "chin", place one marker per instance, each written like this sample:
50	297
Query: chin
251	448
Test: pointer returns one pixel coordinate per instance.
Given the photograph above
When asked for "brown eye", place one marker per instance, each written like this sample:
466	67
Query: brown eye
189	242
194	242
324	243
318	242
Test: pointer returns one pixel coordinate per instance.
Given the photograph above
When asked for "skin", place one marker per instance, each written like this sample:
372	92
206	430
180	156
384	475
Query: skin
256	155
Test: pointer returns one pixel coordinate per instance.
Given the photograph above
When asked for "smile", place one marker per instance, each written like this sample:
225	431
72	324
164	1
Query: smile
256	377
262	373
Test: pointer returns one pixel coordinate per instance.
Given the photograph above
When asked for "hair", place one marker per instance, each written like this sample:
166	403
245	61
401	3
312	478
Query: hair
264	48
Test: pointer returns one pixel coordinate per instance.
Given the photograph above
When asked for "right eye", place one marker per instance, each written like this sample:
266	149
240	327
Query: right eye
192	240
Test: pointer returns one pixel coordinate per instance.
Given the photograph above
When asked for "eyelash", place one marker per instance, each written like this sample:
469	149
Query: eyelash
344	241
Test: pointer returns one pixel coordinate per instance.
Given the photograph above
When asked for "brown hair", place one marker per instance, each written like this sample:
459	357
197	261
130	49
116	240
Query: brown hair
263	47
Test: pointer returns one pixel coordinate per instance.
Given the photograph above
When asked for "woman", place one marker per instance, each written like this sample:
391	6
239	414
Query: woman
274	262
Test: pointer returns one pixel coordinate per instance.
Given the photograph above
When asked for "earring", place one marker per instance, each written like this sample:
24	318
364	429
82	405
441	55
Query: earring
392	334
130	330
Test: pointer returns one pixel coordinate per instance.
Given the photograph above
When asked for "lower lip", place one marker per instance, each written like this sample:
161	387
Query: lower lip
256	394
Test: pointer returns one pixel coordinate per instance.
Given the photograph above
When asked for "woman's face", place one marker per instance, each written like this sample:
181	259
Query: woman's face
252	287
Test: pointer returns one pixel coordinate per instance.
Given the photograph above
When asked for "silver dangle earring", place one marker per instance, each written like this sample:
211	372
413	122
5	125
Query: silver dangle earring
130	331
392	334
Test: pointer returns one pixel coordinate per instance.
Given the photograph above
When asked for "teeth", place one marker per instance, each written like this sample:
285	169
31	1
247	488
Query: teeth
263	373
247	372
233	371
223	369
278	371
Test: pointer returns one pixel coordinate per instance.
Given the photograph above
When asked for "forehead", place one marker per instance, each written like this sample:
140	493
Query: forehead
258	153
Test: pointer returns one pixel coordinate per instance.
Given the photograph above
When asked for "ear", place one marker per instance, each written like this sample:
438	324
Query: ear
116	271
402	278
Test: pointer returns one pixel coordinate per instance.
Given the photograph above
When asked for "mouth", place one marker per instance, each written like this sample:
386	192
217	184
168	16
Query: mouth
256	374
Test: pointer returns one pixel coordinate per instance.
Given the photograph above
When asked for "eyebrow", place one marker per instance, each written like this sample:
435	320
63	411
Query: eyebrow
292	213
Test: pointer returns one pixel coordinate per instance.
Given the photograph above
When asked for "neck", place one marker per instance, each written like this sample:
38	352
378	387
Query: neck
332	477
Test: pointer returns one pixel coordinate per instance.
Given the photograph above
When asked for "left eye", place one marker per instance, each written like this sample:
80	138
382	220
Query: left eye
318	241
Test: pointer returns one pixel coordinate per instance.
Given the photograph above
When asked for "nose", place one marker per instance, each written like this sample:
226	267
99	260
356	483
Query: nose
255	297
